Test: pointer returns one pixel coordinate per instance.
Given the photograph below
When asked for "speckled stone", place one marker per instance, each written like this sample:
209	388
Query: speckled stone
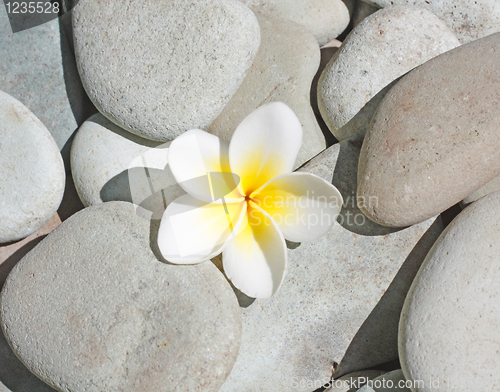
382	48
32	173
159	69
283	70
91	308
457	286
14	376
325	19
332	288
353	381
111	164
390	382
38	68
434	138
470	20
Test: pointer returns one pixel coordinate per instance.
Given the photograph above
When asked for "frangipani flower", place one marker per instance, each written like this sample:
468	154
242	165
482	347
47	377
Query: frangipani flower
243	200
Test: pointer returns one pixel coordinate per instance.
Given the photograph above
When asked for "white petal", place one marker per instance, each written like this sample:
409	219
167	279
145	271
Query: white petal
192	231
265	145
199	162
255	260
303	205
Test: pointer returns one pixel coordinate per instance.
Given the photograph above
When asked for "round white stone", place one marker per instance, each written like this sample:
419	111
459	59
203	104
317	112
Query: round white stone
160	68
92	308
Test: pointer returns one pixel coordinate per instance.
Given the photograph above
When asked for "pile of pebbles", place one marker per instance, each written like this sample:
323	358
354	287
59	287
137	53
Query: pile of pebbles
399	102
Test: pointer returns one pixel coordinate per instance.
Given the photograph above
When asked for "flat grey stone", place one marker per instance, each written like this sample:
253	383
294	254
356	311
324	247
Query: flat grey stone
470	20
325	19
32	173
38	68
111	164
332	288
452	311
91	308
283	70
434	138
382	48
159	69
390	382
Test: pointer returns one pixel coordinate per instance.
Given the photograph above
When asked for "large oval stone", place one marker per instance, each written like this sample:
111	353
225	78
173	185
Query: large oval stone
452	311
32	176
92	309
434	138
158	69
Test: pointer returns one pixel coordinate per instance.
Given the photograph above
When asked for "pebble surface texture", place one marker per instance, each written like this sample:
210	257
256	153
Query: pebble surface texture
32	173
331	289
434	138
325	19
382	48
109	164
457	286
470	20
94	299
283	70
158	69
38	68
14	376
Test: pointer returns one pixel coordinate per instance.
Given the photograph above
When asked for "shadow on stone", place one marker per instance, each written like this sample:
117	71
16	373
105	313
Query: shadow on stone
243	300
112	127
345	179
140	191
80	103
326	56
356	128
292	245
118	187
154	227
71	202
13	374
377	336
